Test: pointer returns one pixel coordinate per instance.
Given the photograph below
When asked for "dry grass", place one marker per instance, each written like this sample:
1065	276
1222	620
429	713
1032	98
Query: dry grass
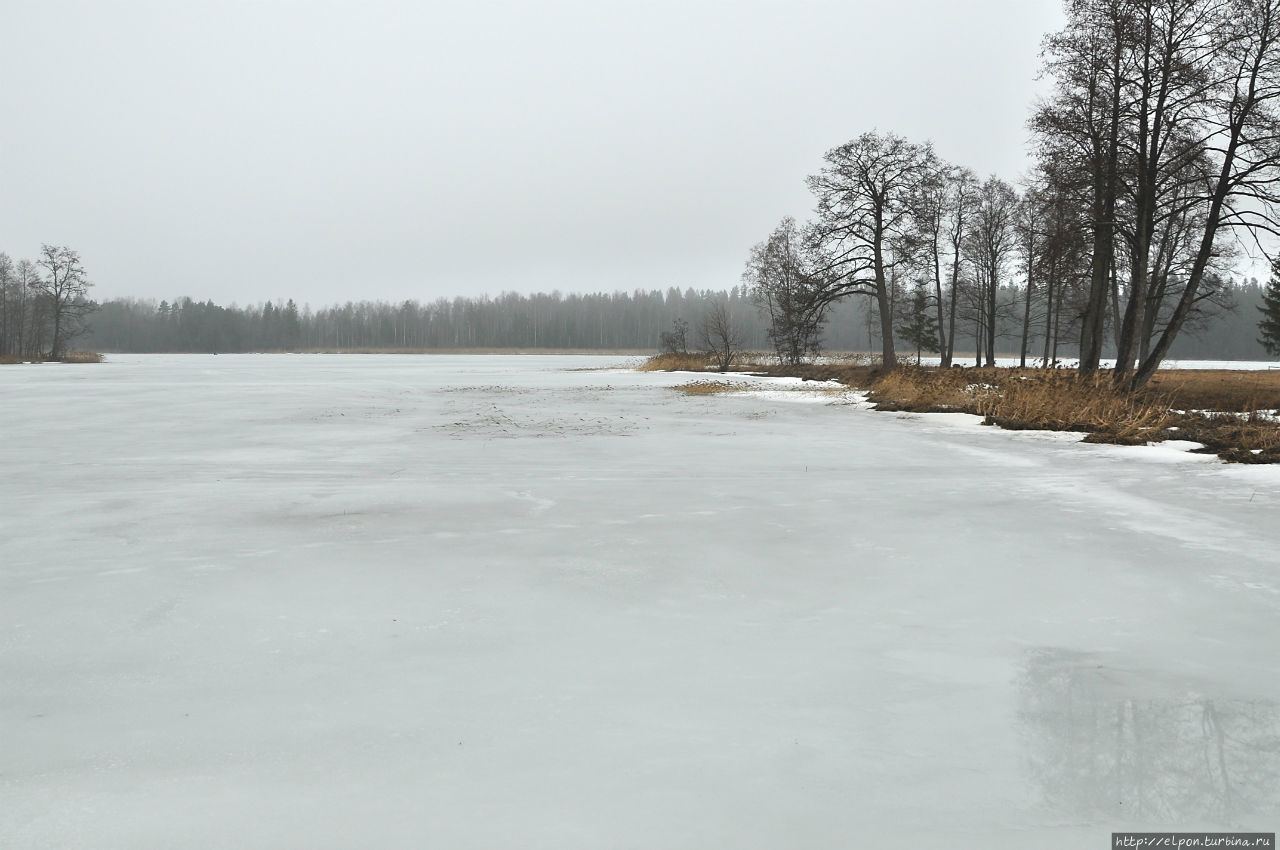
1239	427
81	357
1064	401
849	374
707	387
852	372
1219	389
1249	438
851	358
69	357
925	390
676	363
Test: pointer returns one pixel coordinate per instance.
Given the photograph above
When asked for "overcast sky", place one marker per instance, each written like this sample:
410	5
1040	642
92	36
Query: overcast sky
339	151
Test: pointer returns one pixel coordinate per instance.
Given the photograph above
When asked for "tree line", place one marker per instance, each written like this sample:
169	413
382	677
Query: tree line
633	321
1156	162
43	303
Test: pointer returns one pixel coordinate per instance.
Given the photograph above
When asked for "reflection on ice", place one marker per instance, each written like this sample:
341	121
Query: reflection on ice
1117	745
398	602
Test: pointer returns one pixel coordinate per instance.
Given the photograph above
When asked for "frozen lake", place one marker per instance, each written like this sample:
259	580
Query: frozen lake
376	601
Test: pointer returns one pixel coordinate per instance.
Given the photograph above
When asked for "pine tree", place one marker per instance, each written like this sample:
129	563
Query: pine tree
1270	309
919	326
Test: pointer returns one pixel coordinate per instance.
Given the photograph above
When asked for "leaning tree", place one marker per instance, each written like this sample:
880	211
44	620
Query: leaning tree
1170	110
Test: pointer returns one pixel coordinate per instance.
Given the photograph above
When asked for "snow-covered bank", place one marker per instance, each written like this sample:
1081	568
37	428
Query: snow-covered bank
328	601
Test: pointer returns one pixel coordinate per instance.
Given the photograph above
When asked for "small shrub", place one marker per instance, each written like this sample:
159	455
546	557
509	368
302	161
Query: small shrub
676	340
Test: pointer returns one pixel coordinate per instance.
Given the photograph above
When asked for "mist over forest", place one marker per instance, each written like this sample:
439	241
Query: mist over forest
595	322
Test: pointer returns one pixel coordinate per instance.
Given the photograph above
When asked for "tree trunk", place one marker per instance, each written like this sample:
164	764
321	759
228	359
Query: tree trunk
888	358
937	287
993	284
1057	324
1104	210
951	322
1149	366
1026	308
977	341
1091	328
1048	310
57	332
1114	303
1159	287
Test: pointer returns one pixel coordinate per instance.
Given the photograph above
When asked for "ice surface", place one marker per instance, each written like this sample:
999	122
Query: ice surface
378	601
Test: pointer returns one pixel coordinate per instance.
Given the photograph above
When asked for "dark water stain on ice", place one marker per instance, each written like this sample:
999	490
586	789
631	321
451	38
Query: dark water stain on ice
1115	745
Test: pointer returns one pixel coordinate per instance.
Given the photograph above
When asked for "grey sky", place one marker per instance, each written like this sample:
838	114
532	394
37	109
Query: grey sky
337	151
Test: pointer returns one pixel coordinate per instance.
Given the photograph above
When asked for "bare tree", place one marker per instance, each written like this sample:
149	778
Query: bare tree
941	209
7	287
1172	107
787	287
1079	130
674	341
28	287
1173	254
962	198
720	336
1030	244
865	216
991	239
1062	213
67	290
1240	124
1169	71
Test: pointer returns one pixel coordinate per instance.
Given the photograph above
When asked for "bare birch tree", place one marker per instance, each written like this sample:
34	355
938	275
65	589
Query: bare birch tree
720	335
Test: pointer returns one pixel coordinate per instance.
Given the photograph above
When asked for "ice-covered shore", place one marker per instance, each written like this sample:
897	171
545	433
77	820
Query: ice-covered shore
330	601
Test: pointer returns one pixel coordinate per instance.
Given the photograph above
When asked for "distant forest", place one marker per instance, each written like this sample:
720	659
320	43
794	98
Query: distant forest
598	321
1156	167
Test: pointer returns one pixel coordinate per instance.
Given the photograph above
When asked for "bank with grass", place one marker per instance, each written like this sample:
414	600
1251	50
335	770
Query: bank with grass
65	357
1233	414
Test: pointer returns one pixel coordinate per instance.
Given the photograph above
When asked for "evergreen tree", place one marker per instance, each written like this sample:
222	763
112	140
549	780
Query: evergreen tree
292	326
919	325
1270	309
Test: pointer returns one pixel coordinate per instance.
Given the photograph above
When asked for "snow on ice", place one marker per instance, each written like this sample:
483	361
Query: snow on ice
547	602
